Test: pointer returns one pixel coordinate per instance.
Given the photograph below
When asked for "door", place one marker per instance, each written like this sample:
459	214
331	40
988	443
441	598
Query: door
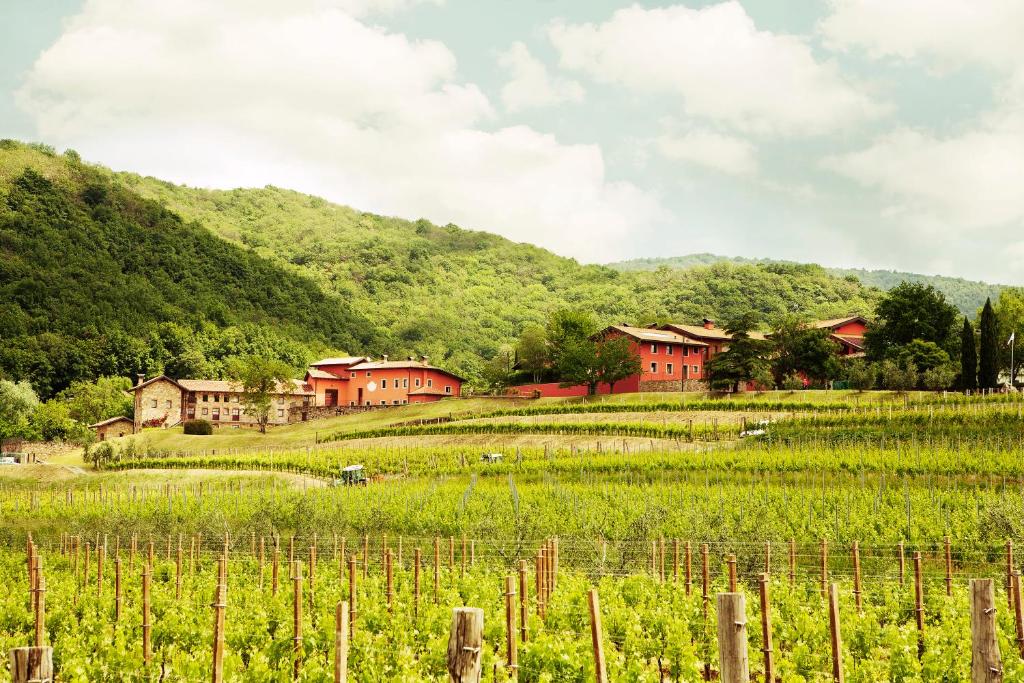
330	397
359	397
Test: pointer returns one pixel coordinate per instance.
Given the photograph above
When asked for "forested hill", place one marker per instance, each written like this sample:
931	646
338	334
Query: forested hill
97	280
967	295
294	274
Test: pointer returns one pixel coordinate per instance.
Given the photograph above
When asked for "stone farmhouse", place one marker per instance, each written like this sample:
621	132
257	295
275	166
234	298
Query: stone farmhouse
330	387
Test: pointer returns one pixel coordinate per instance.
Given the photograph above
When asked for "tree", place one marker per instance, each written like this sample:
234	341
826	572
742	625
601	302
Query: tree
532	351
1009	310
804	350
616	360
861	375
90	402
498	370
100	455
911	311
745	360
922	355
968	358
567	329
988	349
261	380
938	378
896	377
578	363
17	404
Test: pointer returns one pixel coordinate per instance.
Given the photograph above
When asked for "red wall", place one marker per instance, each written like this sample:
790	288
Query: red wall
551	389
854	328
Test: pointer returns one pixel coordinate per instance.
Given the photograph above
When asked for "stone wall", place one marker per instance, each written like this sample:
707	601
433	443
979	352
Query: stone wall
674	385
160	400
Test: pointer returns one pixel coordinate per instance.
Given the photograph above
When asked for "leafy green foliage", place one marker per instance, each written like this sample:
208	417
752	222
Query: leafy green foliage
17	403
911	311
746	360
988	349
198	427
968	358
261	379
804	349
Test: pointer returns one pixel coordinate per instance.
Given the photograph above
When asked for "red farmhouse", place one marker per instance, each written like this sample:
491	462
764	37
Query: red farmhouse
847	332
360	381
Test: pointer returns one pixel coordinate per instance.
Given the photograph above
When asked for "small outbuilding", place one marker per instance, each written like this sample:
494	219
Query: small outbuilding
113	428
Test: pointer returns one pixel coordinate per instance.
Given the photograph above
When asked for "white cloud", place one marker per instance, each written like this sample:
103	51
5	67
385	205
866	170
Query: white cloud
531	85
720	64
947	32
306	95
725	153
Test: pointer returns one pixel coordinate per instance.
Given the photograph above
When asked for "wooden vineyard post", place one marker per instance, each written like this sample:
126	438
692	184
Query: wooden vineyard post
416	583
824	568
732	638
510	628
1009	574
99	573
312	575
437	567
523	601
465	643
261	560
903	563
949	567
689	568
766	630
732	573
675	560
836	633
31	665
177	574
1018	614
451	554
986	662
117	589
390	580
351	596
856	576
919	602
705	576
297	617
600	669
39	604
219	605
539	573
792	561
275	569
147	652
341	643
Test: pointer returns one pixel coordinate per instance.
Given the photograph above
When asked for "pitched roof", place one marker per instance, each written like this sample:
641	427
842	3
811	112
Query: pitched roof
230	387
344	360
316	373
401	364
838	322
701	332
429	391
653	335
112	420
156	379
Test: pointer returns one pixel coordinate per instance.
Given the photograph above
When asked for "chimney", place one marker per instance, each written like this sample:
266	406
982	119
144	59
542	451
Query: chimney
141	377
385	357
412	357
425	360
709	324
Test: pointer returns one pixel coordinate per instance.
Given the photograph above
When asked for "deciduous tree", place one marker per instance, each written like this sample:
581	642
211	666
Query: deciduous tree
261	380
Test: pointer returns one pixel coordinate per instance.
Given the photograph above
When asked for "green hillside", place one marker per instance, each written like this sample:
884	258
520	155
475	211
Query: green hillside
295	268
967	295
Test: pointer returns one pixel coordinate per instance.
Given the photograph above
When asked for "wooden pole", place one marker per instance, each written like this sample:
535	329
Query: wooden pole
600	669
465	643
539	572
524	601
31	665
219	604
147	652
341	643
732	638
732	573
689	568
836	633
766	630
351	596
40	606
986	662
117	588
390	580
510	628
297	617
856	577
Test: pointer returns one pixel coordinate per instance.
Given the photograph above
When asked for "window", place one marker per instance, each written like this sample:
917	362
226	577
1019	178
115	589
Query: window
216	413
368	373
654	348
654	368
383	403
383	384
430	382
686	351
353	375
695	369
280	401
405	383
417	382
352	403
206	397
447	389
395	401
280	412
216	398
668	368
206	411
234	413
668	350
153	403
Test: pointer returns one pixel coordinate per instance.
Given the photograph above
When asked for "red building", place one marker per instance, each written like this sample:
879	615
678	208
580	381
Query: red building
360	381
848	332
716	339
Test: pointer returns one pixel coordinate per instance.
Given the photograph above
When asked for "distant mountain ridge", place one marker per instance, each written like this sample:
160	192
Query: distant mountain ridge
966	295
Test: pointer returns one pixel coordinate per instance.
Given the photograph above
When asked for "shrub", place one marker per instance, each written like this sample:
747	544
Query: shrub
199	427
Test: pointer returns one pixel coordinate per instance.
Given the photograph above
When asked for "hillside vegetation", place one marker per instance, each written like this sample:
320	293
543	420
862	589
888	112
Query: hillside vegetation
91	255
967	295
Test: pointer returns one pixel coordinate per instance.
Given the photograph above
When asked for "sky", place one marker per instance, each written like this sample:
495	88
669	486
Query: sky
862	133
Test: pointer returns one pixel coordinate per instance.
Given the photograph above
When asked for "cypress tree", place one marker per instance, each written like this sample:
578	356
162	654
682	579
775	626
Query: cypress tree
968	358
988	353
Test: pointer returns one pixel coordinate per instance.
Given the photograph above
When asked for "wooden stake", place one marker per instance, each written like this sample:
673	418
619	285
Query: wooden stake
32	665
297	617
856	576
416	583
600	669
689	568
465	644
766	630
117	589
147	652
524	601
986	662
675	560
510	628
390	580
732	573
341	643
351	596
732	638
836	633
219	604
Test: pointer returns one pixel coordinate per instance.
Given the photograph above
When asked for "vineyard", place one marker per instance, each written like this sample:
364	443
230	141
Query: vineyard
861	539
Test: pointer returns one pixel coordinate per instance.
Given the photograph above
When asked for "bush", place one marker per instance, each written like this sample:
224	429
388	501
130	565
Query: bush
198	427
793	382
